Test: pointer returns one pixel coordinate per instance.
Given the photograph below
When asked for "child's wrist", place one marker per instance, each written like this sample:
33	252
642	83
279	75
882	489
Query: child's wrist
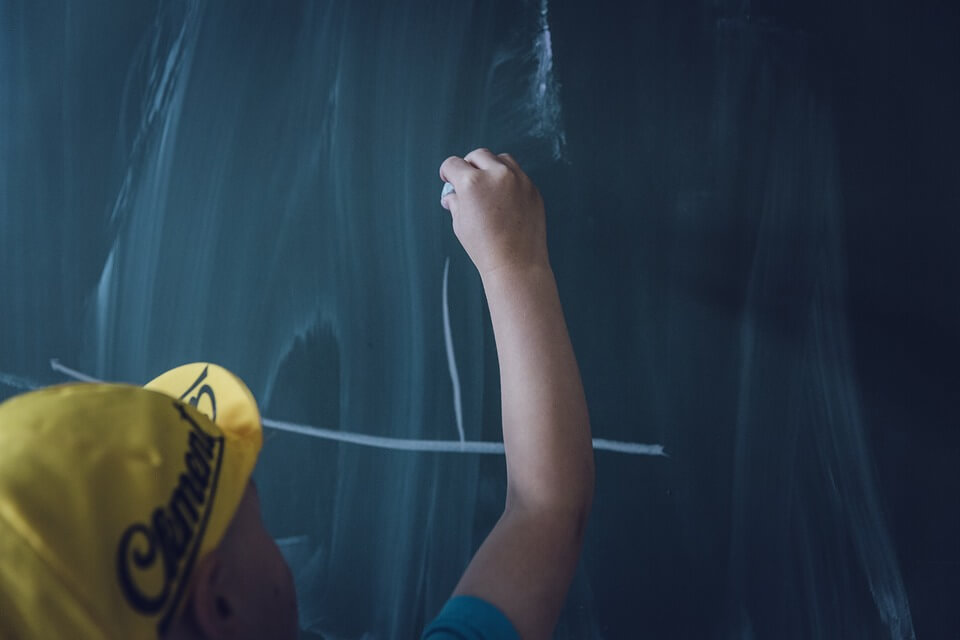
517	274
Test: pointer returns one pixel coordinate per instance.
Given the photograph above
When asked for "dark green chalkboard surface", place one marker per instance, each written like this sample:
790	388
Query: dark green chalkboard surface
752	216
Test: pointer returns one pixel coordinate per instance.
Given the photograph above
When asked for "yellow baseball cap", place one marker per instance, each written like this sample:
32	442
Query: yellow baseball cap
109	496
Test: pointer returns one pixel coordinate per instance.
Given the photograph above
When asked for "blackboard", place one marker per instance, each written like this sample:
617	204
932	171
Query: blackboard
752	216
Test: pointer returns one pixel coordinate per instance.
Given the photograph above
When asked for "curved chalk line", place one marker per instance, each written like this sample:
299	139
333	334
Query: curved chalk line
406	444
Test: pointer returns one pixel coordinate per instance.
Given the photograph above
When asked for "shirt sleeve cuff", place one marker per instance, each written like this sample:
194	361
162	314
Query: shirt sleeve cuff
470	618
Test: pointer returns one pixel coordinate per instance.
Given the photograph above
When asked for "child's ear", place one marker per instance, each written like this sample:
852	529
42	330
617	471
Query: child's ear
213	601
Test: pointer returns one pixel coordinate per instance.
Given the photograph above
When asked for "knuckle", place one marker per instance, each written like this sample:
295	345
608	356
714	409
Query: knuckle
470	157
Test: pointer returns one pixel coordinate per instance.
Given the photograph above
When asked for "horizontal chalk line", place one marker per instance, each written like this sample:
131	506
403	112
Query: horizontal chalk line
444	446
398	444
406	444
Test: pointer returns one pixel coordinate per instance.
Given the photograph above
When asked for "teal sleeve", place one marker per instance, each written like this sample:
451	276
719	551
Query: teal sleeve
469	618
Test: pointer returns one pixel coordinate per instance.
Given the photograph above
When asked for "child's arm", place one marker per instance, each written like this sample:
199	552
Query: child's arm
525	565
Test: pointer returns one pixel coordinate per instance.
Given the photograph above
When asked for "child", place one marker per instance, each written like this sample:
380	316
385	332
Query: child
128	512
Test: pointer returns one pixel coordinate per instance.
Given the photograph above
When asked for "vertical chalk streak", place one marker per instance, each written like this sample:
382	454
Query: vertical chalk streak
546	96
451	360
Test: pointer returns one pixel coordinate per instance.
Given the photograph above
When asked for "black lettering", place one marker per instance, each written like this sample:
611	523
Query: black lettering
205	390
173	538
184	489
172	534
200	378
138	546
206	440
201	443
198	467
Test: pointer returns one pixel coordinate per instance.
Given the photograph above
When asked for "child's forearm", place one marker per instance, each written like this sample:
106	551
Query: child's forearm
546	428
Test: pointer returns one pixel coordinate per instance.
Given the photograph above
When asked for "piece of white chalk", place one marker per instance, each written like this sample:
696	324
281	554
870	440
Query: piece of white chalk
447	189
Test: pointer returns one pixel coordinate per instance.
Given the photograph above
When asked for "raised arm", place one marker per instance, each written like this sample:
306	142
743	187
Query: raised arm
526	564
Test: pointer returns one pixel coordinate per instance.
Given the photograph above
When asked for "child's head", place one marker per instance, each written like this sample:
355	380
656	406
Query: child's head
128	512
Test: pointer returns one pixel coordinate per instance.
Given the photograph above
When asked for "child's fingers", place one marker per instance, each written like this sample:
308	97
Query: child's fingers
482	159
454	169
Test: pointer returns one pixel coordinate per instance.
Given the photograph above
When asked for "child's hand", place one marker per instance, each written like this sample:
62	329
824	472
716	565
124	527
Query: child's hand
497	211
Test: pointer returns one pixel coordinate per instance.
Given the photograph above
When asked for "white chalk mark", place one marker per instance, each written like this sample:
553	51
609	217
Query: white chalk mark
451	360
445	446
409	444
546	98
17	382
629	447
105	293
291	541
380	442
72	373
